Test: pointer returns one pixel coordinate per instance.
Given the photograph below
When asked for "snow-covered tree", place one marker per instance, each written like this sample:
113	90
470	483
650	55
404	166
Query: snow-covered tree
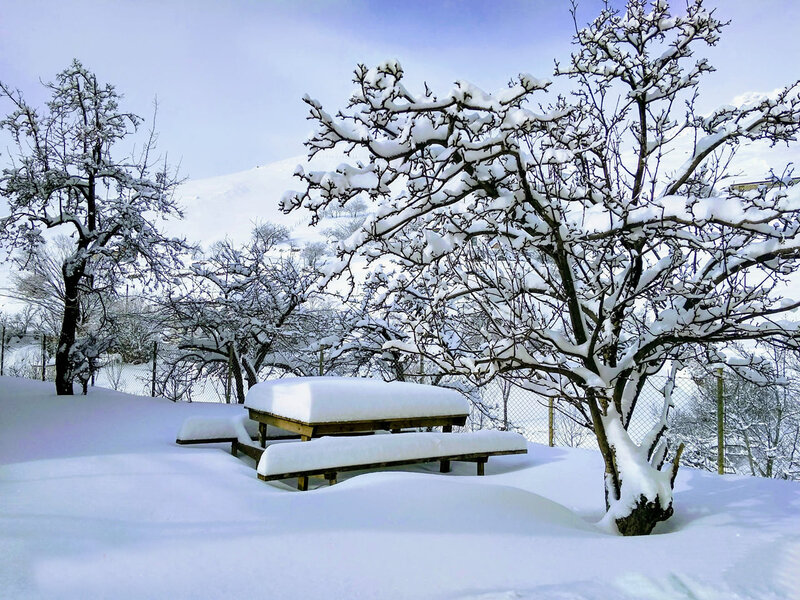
66	176
244	309
554	244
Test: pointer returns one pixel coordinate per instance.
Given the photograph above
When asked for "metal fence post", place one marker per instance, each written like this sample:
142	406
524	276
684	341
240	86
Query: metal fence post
155	359
321	361
3	352
228	375
44	357
550	422
720	422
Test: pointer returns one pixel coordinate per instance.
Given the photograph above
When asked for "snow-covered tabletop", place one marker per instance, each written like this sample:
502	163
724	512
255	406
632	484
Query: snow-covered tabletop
351	399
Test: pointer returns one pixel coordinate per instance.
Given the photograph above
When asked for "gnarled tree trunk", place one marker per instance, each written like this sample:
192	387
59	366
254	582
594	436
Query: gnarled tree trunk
66	339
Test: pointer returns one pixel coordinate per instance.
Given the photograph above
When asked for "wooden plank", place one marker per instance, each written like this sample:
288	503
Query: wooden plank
412	461
389	424
280	422
224	440
253	452
332	427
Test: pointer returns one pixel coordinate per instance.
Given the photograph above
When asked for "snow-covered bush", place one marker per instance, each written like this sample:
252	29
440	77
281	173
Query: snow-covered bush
549	242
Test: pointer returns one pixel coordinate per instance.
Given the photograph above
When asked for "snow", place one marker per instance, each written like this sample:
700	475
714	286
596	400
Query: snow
361	450
225	206
211	428
97	501
330	399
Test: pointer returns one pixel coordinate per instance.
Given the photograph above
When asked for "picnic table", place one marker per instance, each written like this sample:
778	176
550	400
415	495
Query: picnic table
317	406
339	410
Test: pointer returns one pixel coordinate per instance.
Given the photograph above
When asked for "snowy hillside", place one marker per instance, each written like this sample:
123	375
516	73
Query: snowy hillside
229	205
96	500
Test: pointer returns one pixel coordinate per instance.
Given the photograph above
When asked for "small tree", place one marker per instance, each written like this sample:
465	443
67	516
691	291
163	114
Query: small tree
244	309
551	244
66	177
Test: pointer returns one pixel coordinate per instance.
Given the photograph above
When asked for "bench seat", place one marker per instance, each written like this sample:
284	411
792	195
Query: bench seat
330	455
213	430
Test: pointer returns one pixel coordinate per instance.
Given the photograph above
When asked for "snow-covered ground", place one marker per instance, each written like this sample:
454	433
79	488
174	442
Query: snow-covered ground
97	501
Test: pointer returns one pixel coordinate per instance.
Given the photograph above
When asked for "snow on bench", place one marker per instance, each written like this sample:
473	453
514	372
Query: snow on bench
329	455
208	430
346	399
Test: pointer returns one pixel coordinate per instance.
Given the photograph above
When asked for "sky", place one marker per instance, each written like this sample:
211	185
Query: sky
229	76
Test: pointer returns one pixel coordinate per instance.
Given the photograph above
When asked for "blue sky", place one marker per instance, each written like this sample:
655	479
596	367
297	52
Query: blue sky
229	75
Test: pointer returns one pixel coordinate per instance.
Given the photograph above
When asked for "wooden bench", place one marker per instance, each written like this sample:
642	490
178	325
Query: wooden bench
331	455
216	430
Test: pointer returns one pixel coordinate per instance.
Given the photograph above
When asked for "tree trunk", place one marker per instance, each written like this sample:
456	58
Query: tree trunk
644	516
234	363
66	339
250	372
638	494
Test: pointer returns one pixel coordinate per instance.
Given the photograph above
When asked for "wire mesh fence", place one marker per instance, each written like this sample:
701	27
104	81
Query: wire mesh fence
511	407
498	405
32	356
502	404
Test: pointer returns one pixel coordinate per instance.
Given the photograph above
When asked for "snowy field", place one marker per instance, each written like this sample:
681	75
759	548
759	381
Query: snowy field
97	501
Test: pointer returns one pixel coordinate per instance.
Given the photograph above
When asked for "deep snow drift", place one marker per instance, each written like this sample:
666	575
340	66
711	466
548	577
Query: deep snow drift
96	500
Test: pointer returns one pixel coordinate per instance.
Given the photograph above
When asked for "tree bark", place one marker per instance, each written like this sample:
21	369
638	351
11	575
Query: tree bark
234	364
644	516
66	339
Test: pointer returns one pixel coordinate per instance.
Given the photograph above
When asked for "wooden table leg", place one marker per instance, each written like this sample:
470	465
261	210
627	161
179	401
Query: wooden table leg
481	465
444	465
262	434
302	482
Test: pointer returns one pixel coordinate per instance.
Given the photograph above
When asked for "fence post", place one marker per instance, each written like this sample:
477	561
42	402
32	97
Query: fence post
3	352
155	359
321	361
44	357
228	375
550	423
720	422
